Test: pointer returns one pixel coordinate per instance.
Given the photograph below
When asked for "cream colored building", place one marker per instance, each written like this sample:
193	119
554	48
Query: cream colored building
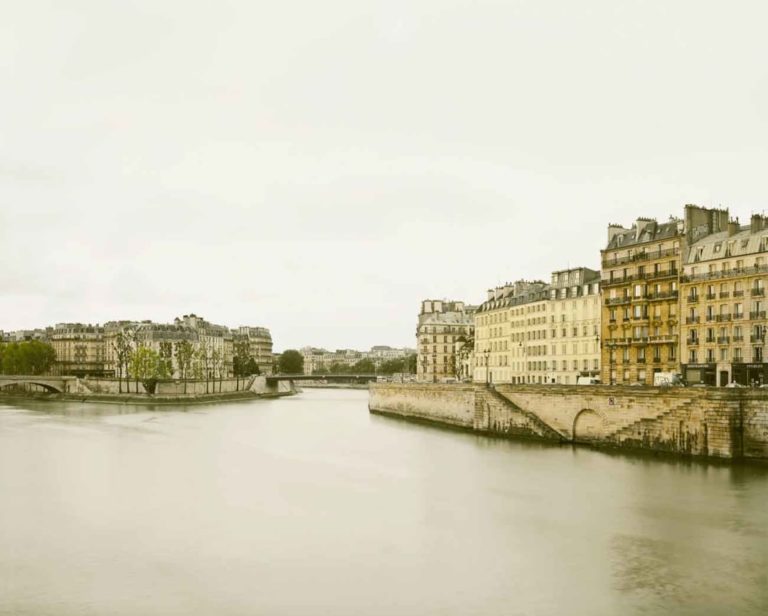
259	340
725	274
80	349
574	314
511	334
441	323
532	332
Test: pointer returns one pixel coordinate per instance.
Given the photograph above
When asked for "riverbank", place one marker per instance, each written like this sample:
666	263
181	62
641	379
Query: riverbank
305	385
715	423
140	399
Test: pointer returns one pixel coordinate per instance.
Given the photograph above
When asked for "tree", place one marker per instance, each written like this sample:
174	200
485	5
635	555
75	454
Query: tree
165	366
240	360
203	356
251	367
291	362
145	363
364	366
184	353
29	357
122	346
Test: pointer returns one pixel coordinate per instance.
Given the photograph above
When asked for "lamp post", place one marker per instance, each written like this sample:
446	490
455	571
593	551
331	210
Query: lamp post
487	354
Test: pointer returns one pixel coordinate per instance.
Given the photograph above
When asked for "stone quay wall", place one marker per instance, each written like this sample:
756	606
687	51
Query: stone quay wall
720	423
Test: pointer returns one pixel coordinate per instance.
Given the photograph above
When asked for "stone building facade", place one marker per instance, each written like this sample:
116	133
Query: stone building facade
533	332
640	312
574	317
79	349
441	323
259	341
725	271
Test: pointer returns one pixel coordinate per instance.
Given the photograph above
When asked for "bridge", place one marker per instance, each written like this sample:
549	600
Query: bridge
333	378
52	384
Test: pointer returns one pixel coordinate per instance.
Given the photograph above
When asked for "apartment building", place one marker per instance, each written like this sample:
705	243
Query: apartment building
441	323
574	313
640	325
725	271
80	349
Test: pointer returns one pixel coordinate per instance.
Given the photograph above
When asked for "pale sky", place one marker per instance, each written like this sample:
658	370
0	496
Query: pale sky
318	168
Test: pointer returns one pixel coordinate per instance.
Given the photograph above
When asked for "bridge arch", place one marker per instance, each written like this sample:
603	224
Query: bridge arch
47	386
588	426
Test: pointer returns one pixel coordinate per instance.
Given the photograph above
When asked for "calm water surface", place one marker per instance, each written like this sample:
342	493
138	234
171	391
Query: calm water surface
309	505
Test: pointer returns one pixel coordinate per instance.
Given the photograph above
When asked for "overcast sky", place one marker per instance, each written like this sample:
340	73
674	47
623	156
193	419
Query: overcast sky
318	168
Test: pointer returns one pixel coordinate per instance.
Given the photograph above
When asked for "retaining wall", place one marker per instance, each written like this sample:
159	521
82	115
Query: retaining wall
723	423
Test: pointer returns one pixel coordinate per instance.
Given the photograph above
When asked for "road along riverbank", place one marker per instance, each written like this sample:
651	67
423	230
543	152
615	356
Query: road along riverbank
707	422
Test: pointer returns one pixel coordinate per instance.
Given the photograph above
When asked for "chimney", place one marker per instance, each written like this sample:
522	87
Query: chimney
755	223
733	227
490	294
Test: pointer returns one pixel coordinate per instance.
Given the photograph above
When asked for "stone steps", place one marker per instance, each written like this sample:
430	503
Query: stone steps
630	421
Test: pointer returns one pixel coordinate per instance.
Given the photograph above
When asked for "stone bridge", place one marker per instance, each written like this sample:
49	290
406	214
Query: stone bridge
53	384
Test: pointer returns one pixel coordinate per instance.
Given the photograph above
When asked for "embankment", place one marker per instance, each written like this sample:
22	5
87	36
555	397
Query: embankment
718	423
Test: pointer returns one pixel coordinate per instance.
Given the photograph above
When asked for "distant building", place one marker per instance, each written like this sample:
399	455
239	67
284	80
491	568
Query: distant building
80	349
441	323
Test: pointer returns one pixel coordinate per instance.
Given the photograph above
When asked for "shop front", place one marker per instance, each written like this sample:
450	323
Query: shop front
750	375
700	374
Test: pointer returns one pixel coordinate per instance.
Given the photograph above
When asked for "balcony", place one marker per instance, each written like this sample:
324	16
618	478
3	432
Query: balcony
665	295
758	292
692	299
724	295
689	320
692	341
738	315
754	338
641	360
738	339
613	301
711	296
709	317
760	314
722	317
657	360
664	339
738	293
641	256
723	340
710	340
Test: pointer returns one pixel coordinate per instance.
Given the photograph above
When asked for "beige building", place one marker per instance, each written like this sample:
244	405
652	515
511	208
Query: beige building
725	271
511	334
80	349
574	313
532	332
640	310
259	340
441	324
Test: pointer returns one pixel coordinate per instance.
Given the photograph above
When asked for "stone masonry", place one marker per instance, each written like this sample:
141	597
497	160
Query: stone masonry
722	423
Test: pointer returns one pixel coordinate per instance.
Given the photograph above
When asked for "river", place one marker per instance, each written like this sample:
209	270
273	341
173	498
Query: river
309	505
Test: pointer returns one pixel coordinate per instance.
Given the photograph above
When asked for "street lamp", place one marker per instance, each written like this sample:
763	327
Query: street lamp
487	355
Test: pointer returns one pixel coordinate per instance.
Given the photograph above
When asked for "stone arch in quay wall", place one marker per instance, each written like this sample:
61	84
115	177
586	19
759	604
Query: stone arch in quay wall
588	426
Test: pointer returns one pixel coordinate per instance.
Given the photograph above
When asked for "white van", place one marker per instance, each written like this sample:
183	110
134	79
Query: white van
668	379
587	380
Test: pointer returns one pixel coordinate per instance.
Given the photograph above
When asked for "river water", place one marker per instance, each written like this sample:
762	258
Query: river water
309	505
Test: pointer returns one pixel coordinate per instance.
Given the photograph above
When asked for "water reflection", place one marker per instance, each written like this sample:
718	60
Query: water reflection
310	504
